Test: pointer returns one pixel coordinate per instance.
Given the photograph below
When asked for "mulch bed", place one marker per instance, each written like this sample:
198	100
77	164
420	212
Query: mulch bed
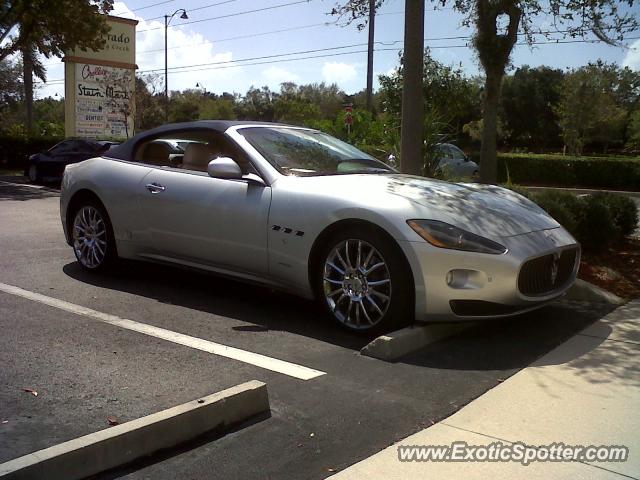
617	269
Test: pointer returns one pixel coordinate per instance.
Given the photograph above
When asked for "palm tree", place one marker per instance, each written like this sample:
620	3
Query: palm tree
31	66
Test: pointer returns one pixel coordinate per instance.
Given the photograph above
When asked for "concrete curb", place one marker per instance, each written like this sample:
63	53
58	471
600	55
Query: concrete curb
119	445
582	291
396	344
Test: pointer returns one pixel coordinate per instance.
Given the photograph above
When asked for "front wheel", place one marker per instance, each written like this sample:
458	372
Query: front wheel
365	283
93	240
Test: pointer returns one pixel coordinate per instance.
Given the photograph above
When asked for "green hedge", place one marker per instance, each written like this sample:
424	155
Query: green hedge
557	170
14	151
596	221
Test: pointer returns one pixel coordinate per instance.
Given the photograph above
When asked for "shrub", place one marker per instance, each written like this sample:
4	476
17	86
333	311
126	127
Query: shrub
596	228
558	170
624	212
565	207
524	191
15	150
596	220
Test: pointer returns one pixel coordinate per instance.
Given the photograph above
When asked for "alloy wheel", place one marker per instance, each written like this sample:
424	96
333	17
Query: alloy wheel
33	173
89	237
357	284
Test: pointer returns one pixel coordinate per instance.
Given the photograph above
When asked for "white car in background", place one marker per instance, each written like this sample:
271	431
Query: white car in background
453	161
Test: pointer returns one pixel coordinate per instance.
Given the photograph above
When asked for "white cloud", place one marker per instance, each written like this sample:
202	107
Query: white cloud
337	72
186	47
392	72
632	58
189	47
274	76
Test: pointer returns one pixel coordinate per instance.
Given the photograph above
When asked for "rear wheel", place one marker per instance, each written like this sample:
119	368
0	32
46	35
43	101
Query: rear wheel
93	240
34	174
364	282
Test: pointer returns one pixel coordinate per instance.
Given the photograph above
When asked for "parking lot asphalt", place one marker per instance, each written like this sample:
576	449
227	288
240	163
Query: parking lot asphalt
85	370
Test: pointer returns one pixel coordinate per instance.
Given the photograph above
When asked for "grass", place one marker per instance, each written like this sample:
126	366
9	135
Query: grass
10	172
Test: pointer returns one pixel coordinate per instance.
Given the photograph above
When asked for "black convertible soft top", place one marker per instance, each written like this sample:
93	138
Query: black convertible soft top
125	150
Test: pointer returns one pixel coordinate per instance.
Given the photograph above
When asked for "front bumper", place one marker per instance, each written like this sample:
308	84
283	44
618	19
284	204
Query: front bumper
457	285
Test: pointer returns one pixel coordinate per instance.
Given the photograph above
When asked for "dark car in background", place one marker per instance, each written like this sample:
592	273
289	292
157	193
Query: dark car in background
49	165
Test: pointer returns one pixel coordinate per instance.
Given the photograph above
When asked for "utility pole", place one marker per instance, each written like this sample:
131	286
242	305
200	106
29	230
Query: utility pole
411	159
372	25
166	74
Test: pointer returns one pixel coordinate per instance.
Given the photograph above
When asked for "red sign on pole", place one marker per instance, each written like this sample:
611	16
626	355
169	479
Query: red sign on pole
349	117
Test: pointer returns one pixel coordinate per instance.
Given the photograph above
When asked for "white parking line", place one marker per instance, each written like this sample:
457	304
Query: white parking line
262	361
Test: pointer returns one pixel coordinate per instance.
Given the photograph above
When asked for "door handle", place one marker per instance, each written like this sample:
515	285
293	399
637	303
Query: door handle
155	187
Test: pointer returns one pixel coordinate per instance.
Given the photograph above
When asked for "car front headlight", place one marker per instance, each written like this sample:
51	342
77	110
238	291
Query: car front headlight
443	235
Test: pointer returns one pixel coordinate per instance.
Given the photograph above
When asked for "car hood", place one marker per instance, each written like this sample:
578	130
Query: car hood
485	210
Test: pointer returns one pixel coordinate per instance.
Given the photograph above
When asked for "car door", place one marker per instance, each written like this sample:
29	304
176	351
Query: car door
191	217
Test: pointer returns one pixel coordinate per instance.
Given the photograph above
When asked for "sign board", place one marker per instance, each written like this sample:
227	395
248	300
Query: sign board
100	86
103	101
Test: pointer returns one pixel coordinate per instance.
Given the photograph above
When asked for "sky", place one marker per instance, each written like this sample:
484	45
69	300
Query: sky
219	43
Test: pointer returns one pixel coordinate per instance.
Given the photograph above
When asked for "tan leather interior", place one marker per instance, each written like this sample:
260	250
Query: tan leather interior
197	156
156	153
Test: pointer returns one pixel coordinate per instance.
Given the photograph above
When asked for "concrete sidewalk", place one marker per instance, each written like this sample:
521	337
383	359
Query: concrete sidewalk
584	392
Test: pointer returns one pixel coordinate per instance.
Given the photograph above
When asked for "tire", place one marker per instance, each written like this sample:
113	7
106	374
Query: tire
92	237
364	281
34	174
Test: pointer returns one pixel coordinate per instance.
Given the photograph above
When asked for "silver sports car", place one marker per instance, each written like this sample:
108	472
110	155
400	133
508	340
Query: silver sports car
301	211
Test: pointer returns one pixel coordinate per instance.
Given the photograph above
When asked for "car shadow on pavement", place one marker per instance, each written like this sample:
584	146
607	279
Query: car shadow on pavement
264	308
16	188
499	345
511	343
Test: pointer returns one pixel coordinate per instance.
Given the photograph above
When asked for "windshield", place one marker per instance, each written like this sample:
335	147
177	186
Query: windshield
307	152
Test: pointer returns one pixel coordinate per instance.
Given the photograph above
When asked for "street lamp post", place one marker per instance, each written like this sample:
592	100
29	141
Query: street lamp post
167	20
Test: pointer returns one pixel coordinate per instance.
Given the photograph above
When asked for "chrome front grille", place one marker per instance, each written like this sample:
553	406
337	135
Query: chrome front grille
546	274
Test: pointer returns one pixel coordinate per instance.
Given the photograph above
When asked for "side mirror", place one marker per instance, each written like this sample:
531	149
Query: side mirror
224	167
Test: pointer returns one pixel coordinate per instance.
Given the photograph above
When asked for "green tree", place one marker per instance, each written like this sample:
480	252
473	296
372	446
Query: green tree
50	114
149	102
11	92
185	106
293	106
633	131
447	93
328	98
49	28
450	101
528	100
497	25
591	109
257	104
215	107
